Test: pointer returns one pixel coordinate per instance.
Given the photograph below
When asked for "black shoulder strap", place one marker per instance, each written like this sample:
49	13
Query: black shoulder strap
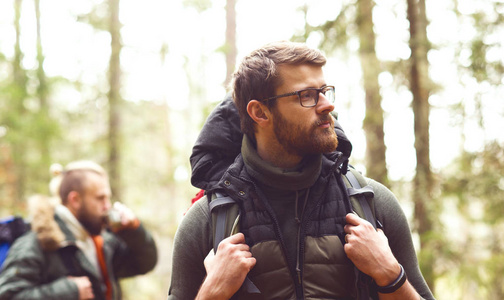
225	215
360	194
218	207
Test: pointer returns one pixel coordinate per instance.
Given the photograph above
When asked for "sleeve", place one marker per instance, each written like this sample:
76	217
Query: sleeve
396	228
134	253
191	245
23	272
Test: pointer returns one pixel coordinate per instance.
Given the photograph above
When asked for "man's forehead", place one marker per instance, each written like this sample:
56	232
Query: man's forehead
96	181
302	76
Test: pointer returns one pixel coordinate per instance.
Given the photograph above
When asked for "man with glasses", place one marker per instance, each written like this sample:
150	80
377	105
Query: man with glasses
298	236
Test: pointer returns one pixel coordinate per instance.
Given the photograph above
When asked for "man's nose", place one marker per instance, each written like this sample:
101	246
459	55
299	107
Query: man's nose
108	205
324	106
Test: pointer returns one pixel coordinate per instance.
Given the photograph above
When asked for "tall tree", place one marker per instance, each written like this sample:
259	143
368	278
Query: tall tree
17	112
230	48
115	100
376	166
420	87
45	126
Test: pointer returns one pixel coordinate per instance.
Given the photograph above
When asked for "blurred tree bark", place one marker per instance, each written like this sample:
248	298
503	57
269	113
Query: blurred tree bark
45	126
420	87
17	113
115	100
376	165
230	48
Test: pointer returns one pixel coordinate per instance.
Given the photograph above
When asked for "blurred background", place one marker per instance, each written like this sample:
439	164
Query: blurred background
128	84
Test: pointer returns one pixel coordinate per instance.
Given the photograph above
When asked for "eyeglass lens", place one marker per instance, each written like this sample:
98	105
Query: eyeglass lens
310	97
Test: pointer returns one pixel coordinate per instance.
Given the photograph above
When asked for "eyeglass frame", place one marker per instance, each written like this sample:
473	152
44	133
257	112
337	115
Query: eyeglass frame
319	90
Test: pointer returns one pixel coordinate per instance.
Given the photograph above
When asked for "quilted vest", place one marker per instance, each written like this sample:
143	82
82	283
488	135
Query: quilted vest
321	269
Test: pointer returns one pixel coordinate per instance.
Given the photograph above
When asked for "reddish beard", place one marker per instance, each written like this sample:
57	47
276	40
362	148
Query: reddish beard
305	140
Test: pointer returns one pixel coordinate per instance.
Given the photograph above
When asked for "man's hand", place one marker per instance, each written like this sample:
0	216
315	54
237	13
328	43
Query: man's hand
84	286
226	270
369	250
128	220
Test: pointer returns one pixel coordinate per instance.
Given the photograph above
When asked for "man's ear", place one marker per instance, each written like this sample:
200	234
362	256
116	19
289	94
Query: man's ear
74	201
259	112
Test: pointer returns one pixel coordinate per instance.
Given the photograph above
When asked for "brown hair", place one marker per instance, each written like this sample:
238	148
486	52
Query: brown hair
257	76
74	177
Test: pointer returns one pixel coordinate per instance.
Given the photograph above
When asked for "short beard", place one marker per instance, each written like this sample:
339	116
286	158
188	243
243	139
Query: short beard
302	141
93	225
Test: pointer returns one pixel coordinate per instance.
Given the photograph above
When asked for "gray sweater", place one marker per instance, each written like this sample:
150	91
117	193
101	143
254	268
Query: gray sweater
193	242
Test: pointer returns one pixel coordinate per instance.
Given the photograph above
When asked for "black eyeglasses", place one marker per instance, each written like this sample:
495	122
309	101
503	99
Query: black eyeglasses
309	97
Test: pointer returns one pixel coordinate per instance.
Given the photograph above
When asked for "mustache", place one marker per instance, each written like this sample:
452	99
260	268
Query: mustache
324	119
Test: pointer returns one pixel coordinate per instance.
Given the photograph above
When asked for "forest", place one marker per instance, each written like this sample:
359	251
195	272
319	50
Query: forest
129	84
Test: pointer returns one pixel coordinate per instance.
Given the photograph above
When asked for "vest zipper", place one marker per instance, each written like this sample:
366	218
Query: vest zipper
298	268
300	244
294	274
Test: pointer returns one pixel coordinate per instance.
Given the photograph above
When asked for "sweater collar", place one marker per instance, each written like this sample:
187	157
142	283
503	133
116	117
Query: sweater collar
300	177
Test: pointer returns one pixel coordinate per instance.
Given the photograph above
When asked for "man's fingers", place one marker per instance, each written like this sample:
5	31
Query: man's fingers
237	238
251	262
353	219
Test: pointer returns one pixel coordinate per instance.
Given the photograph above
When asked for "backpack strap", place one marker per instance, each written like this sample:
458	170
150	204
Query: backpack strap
220	217
361	194
225	219
361	197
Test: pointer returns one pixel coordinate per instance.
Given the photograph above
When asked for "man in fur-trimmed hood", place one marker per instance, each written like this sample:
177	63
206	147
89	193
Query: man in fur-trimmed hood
71	252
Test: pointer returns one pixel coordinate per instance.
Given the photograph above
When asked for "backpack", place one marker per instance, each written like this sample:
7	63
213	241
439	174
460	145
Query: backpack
10	229
225	221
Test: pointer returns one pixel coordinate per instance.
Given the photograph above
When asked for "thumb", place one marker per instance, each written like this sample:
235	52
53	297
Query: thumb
210	254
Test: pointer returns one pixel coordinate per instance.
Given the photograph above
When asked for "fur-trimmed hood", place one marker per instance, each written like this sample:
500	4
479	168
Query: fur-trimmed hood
41	210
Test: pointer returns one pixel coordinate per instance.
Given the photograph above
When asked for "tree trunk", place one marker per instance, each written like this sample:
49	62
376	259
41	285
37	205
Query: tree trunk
19	112
45	136
115	101
230	48
376	166
420	88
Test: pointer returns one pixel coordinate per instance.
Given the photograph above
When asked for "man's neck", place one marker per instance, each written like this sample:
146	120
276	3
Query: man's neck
300	176
275	154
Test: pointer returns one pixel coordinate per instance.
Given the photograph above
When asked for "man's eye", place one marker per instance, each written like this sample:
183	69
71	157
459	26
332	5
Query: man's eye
306	95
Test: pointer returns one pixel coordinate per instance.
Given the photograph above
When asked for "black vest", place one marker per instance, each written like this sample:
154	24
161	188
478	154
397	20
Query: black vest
321	270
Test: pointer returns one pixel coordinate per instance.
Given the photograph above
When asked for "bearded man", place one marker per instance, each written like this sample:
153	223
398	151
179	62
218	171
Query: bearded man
299	237
73	251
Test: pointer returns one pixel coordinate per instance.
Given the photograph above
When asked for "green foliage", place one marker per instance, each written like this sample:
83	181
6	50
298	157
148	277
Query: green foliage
97	17
479	177
335	33
487	25
199	5
476	182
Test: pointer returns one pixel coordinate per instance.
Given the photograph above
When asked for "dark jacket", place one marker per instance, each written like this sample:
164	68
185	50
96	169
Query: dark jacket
40	261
